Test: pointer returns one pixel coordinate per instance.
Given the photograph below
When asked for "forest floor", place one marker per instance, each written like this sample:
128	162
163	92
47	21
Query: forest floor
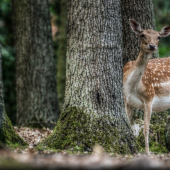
30	158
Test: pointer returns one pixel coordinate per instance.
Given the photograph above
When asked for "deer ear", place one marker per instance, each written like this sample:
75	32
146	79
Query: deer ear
165	31
135	26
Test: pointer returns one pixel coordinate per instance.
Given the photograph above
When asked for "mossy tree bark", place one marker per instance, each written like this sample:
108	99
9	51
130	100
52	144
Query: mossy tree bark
61	58
142	12
94	108
7	133
37	103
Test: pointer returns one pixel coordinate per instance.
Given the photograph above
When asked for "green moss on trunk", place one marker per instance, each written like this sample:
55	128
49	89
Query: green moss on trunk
9	136
78	131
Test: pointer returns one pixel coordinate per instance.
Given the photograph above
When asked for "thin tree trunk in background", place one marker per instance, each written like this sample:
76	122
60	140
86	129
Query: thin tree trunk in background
61	58
94	81
142	12
37	103
7	133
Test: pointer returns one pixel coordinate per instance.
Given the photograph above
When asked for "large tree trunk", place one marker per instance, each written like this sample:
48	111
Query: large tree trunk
94	108
142	12
37	103
7	133
61	58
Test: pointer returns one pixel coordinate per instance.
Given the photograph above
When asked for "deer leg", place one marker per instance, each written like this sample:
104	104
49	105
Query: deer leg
129	111
147	117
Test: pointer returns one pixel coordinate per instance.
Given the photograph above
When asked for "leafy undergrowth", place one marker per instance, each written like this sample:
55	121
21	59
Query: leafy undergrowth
156	139
156	133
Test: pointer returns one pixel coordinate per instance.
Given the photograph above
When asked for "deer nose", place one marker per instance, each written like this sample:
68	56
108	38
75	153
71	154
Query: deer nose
152	47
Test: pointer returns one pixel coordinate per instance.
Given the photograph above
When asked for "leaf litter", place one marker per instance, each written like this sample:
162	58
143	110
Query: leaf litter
98	159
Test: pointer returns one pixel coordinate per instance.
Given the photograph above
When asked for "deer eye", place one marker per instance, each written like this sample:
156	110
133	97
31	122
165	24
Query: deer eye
159	38
143	36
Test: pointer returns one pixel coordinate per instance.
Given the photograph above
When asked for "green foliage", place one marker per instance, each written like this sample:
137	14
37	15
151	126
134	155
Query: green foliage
167	133
156	134
8	60
162	17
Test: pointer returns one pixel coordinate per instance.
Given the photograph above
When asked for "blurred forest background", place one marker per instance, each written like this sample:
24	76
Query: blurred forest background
58	11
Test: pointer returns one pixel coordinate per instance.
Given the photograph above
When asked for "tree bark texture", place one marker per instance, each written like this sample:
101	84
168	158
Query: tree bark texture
61	58
94	81
37	103
94	57
7	133
142	12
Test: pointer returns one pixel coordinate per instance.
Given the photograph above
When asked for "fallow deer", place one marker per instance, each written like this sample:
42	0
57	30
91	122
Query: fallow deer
146	81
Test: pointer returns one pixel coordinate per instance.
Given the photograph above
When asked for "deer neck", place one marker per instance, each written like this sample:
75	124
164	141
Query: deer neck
138	69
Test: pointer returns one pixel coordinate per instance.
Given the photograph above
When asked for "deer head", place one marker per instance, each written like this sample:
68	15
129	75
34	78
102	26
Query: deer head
149	38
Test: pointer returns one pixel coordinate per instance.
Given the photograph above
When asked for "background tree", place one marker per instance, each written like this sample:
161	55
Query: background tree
142	12
93	109
35	67
162	17
7	133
